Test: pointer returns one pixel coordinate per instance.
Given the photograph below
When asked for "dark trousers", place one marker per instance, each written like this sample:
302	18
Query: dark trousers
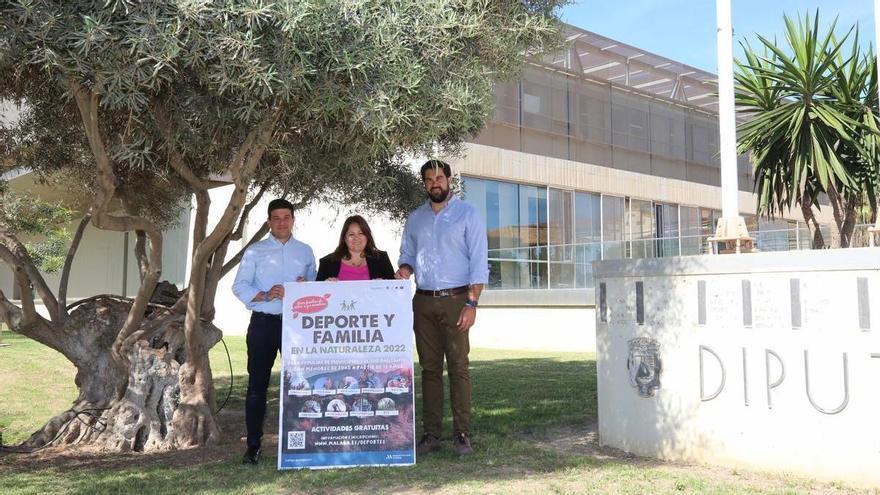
437	336
263	344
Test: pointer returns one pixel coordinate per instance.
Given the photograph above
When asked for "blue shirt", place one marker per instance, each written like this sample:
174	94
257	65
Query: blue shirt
447	249
267	263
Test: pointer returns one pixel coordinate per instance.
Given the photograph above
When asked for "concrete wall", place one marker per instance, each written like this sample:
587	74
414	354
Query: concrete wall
767	360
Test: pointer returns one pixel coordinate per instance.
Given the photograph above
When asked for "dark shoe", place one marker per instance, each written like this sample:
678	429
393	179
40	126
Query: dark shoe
462	445
429	443
251	455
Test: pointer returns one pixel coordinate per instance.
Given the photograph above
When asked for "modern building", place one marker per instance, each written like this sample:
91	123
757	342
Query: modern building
605	151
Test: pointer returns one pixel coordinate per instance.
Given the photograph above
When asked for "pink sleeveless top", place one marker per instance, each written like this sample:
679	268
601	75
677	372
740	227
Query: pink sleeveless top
353	273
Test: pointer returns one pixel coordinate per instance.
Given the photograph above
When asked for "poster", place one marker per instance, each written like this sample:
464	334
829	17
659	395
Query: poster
347	375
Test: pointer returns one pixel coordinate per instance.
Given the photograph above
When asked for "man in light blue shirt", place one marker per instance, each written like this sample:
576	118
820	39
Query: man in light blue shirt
259	284
445	245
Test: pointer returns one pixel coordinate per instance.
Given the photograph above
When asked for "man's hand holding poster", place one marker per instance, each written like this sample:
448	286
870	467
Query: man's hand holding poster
347	376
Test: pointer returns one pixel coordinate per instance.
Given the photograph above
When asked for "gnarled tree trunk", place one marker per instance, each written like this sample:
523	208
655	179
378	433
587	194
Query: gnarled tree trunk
141	419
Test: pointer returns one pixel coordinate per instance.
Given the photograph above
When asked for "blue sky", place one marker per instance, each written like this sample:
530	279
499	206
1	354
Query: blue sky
684	30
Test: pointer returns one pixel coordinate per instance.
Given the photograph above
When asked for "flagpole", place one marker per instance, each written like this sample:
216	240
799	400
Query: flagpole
731	226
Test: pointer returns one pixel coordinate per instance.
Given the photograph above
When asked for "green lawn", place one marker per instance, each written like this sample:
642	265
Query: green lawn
532	421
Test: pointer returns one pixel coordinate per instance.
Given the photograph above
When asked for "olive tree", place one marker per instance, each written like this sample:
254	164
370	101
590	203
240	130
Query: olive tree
144	105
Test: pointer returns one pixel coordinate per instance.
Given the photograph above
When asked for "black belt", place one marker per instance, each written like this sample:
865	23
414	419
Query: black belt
443	292
267	315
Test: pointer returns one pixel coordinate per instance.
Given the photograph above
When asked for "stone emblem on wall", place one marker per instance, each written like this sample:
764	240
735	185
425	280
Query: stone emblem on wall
644	365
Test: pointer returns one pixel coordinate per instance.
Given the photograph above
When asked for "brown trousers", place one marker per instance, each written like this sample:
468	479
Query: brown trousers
435	323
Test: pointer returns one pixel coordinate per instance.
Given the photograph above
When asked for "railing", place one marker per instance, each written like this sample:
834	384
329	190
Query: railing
569	266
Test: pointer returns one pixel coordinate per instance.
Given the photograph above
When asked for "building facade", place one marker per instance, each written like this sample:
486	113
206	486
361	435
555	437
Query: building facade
602	152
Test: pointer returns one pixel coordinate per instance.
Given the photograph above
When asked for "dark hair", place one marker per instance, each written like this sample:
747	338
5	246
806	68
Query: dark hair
431	164
341	252
278	204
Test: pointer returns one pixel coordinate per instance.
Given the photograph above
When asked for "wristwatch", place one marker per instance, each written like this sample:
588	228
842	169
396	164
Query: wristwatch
472	303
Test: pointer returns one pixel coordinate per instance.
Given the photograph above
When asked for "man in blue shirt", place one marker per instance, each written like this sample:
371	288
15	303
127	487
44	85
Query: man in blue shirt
445	245
259	284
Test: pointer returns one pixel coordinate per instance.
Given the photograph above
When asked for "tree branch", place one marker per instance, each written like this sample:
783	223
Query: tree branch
68	264
11	314
87	102
28	308
25	320
213	277
235	260
23	261
140	253
178	163
246	211
241	170
176	159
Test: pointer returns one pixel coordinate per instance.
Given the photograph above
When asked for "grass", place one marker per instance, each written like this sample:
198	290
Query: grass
35	384
529	409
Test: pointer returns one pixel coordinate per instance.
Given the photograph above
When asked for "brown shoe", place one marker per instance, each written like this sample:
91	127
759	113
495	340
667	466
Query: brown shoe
462	445
429	443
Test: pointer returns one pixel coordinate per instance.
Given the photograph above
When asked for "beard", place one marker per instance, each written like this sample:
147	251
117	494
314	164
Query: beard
439	197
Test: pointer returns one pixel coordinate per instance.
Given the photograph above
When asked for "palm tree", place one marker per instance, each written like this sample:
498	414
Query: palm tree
811	125
856	87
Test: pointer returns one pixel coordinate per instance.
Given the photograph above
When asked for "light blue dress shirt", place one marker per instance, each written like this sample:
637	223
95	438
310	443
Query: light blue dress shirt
267	263
447	249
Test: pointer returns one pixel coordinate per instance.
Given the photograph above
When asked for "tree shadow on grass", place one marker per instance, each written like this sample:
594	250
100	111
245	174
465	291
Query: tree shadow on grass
517	405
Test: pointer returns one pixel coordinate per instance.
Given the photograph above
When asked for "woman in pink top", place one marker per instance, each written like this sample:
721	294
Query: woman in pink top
356	256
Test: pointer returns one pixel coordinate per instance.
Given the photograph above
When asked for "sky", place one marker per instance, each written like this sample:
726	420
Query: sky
684	30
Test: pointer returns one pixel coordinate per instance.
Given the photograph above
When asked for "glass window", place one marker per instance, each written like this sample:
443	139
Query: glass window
708	221
516	223
587	236
612	227
498	202
533	221
588	217
641	228
505	274
666	217
691	239
560	223
560	232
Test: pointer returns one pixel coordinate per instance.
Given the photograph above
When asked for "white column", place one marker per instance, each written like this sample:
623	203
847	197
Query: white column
726	112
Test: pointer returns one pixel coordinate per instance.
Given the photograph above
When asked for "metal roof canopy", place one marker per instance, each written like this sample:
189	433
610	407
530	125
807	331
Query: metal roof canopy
605	59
